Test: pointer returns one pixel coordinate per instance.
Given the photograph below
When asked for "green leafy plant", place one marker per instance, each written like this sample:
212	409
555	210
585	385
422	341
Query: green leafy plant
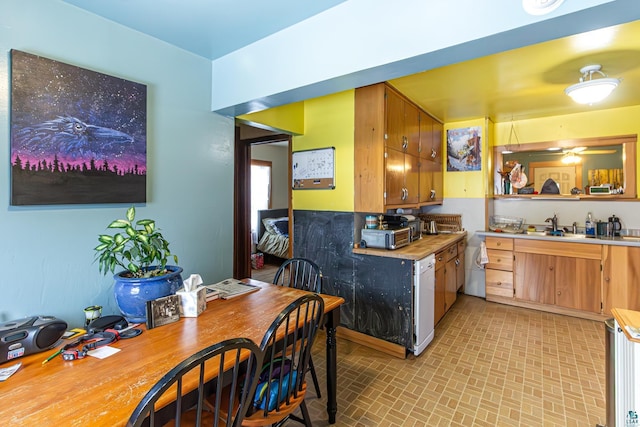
136	249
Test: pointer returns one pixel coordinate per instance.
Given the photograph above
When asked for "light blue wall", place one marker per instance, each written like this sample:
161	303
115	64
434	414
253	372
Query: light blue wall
46	252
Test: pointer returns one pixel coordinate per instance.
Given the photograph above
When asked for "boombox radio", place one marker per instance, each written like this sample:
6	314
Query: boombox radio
29	335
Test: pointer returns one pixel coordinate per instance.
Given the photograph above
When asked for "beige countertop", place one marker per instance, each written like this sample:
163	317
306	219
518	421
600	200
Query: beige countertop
419	249
627	318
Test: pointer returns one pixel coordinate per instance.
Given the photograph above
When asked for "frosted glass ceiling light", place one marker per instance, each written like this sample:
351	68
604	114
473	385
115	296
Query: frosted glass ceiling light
540	7
590	91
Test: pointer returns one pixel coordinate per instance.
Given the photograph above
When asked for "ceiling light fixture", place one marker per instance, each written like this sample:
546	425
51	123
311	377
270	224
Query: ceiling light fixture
570	158
540	7
590	91
509	148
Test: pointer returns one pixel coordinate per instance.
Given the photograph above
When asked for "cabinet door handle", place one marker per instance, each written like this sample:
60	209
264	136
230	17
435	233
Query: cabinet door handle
457	261
405	142
559	293
550	268
433	153
606	279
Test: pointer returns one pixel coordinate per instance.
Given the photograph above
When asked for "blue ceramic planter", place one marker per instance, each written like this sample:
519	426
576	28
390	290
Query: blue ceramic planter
132	294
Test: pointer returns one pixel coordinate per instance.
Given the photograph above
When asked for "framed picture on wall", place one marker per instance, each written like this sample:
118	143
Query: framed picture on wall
464	149
77	136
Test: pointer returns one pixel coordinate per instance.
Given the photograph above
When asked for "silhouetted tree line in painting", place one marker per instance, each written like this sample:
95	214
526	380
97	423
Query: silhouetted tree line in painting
54	182
56	166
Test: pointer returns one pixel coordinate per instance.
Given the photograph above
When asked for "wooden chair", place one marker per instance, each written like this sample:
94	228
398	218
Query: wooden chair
301	273
291	337
170	397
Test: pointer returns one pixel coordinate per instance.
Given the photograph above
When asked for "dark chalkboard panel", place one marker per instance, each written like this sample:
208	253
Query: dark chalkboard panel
383	289
377	290
327	238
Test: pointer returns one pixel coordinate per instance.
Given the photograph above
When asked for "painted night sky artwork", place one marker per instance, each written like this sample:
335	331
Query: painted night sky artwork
77	136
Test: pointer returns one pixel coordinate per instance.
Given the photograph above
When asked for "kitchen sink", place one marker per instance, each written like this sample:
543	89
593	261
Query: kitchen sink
560	236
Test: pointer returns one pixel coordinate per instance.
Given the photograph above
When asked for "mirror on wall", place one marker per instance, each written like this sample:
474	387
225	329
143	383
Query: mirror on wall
592	167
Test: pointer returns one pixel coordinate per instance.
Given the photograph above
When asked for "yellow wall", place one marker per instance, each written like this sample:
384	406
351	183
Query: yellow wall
617	121
471	184
329	122
287	118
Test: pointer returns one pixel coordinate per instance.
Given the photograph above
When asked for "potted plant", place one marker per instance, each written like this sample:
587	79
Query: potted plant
142	252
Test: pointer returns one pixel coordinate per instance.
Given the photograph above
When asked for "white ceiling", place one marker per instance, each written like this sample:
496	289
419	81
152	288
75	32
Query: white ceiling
517	84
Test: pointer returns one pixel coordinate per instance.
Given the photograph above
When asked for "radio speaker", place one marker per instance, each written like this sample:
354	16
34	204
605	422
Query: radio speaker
29	335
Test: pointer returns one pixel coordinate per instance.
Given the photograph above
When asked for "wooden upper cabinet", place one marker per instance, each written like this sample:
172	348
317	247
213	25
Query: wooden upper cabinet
430	138
387	164
411	178
403	123
394	110
426	181
438	132
394	171
412	128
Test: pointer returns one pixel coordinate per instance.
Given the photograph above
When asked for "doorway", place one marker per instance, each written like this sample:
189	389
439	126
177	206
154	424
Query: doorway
566	176
249	139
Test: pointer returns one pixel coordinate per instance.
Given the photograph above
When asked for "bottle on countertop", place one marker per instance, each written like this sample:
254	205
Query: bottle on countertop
589	228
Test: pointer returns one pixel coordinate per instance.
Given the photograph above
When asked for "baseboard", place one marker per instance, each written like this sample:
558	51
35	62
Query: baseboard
549	308
387	347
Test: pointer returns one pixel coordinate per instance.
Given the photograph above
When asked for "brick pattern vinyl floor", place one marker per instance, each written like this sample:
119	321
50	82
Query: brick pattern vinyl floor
489	365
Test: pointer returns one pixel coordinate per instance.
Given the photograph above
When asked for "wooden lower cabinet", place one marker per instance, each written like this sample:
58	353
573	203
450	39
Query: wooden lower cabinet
560	277
438	301
446	281
534	277
499	270
621	278
578	284
563	281
460	272
499	283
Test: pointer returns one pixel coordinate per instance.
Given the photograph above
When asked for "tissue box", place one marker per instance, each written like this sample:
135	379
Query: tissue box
192	303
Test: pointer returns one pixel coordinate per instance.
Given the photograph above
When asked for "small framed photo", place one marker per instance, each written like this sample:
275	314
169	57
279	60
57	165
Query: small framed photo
162	311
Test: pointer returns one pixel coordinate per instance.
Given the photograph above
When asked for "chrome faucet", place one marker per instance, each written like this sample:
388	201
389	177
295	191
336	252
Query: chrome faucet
554	223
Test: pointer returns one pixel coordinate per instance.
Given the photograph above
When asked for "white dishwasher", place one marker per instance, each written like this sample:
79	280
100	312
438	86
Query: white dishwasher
424	289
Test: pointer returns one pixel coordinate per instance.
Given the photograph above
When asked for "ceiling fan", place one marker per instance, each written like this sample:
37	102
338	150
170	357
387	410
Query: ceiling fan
579	151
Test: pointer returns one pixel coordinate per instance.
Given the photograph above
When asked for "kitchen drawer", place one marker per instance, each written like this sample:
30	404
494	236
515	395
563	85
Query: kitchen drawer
499	283
462	245
451	252
446	255
500	260
441	259
499	243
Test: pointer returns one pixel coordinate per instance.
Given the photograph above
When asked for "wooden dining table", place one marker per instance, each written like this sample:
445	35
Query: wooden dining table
104	392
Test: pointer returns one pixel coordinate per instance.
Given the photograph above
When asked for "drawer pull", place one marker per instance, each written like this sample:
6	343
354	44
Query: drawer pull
498	244
499	283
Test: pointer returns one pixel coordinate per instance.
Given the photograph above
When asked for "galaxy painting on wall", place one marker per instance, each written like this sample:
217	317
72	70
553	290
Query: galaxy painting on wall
77	136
